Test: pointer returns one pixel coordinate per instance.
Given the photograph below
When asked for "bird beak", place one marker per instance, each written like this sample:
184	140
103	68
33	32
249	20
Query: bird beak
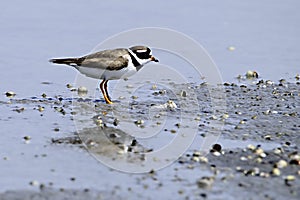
154	59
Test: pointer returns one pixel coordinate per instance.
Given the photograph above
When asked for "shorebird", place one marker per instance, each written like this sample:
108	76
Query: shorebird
110	64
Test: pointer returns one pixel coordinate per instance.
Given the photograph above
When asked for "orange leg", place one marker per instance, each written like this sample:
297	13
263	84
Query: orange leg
103	87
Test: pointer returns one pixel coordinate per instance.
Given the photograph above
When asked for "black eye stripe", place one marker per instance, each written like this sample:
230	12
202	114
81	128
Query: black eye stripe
143	55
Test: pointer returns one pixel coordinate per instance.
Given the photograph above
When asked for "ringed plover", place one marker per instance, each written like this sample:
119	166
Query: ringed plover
110	64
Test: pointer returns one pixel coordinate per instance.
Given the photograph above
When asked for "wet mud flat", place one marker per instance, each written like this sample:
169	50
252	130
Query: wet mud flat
253	154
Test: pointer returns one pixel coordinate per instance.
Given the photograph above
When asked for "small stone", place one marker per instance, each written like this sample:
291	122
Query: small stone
116	122
10	94
56	129
99	122
264	174
259	151
154	87
82	89
278	151
171	105
288	179
41	109
195	159
197	119
213	117
243	158
239	169
216	153
217	147
281	164
69	85
27	137
178	125
251	147
197	153
34	183
205	182
183	93
297	77
267	137
251	74
203	159
225	116
72	178
139	122
262	155
242	122
231	48
162	92
44	95
276	172
173	131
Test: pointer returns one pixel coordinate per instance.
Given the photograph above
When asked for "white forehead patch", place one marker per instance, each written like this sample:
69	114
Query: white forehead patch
141	51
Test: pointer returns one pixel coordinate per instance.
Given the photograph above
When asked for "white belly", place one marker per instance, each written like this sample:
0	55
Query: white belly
98	73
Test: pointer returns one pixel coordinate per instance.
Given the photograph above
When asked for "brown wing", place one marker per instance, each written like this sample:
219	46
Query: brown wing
107	59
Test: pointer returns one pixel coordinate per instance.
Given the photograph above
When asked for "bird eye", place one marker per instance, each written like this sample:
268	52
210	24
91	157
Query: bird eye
144	55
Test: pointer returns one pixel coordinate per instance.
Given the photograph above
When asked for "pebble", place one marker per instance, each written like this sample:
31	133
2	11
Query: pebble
231	48
27	137
44	95
34	183
171	105
267	137
278	151
183	94
154	87
139	122
216	153
276	172
251	74
243	158
281	164
10	94
116	122
82	89
213	117
217	147
251	147
195	159
290	178
69	85
41	109
225	116
205	182
197	153
242	122
100	123
203	159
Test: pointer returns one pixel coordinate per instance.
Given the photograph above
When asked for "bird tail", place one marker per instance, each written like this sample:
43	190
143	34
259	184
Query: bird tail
67	61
